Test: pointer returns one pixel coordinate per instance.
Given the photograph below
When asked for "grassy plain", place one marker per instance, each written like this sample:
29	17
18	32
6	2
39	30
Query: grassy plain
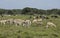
34	31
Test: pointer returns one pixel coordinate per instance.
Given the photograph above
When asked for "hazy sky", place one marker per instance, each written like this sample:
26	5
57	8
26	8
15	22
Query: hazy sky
40	4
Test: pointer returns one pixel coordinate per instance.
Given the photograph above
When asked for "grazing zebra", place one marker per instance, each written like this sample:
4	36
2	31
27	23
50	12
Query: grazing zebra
26	23
18	21
10	21
38	22
50	24
3	21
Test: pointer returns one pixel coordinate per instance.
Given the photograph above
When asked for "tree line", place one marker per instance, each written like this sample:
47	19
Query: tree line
29	11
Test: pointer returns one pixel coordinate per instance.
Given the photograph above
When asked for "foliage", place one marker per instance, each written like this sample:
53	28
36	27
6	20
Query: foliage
30	11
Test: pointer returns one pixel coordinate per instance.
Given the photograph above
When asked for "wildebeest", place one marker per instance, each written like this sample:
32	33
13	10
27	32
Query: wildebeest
35	17
54	16
44	17
30	17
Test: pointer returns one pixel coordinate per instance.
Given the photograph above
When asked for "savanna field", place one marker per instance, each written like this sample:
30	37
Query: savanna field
34	30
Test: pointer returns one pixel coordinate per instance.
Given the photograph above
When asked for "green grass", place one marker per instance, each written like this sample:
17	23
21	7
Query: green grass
34	31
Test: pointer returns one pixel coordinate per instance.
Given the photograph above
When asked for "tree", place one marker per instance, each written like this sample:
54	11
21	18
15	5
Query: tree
10	12
58	12
2	11
26	10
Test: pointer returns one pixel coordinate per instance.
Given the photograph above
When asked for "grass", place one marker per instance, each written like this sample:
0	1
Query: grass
34	31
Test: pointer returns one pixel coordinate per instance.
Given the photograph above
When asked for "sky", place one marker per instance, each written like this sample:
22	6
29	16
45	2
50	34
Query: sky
20	4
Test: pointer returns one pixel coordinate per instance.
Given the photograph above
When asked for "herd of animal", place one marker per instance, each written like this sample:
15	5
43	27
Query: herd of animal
26	22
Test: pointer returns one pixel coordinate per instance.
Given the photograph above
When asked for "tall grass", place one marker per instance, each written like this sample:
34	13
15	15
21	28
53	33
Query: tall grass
34	31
